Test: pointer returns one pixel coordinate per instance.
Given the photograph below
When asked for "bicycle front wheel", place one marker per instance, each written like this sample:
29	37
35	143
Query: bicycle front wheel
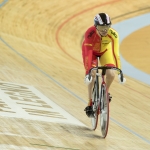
104	113
94	119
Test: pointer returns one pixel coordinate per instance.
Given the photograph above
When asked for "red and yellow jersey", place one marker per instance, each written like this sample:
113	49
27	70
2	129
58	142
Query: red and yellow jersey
95	45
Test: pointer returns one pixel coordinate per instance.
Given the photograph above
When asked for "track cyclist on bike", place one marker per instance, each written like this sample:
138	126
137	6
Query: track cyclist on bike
100	40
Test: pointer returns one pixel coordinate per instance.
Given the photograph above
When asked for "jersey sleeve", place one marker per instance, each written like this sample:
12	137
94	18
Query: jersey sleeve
115	38
87	50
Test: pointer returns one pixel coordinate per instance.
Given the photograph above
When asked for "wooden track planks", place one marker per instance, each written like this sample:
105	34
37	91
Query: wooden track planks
41	47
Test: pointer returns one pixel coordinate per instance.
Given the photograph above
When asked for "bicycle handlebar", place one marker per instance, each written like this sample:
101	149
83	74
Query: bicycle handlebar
104	68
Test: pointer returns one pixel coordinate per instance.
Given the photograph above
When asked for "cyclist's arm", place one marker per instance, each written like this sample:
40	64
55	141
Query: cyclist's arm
115	43
87	49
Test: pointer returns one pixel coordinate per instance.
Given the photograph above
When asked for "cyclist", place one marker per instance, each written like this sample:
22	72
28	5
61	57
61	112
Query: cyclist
100	40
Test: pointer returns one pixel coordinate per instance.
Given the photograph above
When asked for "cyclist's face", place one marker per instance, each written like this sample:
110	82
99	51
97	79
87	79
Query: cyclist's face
102	30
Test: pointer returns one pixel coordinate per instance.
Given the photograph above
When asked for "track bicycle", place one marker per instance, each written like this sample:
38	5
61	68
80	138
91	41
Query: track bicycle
100	98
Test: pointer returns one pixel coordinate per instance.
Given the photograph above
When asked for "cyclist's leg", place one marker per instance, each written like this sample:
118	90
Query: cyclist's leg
107	59
110	75
89	109
90	86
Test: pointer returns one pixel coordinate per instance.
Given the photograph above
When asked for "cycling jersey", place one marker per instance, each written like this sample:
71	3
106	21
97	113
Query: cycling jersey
107	47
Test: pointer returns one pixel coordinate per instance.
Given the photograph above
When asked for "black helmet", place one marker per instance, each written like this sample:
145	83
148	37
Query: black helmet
102	19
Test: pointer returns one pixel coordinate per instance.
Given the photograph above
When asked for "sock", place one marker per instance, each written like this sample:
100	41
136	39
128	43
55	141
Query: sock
90	102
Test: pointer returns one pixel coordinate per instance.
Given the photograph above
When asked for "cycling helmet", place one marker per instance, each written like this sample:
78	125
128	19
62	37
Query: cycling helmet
102	19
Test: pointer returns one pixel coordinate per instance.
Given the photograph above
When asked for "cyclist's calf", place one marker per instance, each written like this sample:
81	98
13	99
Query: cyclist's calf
110	75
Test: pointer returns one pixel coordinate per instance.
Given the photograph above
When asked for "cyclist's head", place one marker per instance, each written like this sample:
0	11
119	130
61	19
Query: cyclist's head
102	23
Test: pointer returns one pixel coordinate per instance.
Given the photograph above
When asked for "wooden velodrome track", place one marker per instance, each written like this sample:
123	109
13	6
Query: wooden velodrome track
41	63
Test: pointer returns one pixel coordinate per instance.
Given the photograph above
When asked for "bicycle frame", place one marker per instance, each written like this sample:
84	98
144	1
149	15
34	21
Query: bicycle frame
101	101
98	93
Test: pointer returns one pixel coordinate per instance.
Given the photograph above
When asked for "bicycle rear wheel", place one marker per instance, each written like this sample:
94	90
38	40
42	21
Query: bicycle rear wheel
104	113
94	119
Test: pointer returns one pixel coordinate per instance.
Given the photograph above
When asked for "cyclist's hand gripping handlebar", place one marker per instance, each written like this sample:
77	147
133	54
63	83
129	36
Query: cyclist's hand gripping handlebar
121	78
88	79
